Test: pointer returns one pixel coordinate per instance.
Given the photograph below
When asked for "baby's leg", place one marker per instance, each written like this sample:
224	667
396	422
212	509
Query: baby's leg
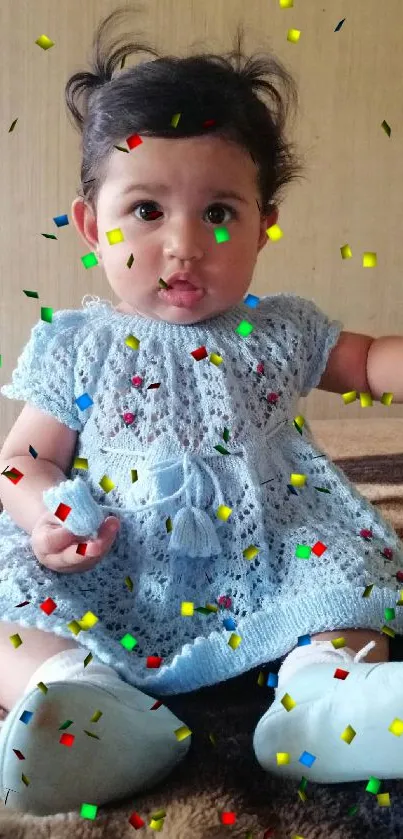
356	639
17	665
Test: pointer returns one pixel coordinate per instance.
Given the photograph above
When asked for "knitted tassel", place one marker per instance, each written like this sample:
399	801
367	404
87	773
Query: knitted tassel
194	534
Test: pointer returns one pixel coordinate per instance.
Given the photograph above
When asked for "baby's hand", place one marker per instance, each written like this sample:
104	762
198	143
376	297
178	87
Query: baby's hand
56	547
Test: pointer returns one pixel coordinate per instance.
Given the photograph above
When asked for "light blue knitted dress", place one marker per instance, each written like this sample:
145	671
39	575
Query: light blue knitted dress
189	438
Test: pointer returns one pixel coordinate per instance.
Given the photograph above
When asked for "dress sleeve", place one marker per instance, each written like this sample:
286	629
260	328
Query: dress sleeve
318	335
45	372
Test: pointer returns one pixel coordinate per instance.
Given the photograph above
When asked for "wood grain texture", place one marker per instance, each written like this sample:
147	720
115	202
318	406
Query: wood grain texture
351	195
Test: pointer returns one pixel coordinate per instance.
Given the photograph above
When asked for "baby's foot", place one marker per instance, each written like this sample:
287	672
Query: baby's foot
49	764
341	729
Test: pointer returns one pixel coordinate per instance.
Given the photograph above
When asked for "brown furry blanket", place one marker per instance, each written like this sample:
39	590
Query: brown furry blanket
225	775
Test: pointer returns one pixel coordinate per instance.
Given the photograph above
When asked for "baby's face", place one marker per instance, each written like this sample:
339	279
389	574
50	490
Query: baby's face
172	230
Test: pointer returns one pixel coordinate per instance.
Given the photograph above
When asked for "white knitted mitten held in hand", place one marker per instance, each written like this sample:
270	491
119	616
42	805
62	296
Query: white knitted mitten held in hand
86	516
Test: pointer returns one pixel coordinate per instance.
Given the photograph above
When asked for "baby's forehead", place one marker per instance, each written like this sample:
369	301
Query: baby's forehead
160	160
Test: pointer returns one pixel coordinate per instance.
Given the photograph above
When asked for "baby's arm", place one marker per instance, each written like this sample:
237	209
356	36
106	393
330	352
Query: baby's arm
55	444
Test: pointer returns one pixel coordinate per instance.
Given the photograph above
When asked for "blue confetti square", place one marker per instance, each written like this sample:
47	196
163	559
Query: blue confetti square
251	300
229	623
26	716
307	759
84	401
61	220
304	640
33	452
272	680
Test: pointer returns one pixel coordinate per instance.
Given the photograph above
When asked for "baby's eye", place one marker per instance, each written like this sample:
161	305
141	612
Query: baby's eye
154	214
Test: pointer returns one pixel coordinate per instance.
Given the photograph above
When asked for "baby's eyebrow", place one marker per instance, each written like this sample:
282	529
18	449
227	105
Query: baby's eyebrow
224	193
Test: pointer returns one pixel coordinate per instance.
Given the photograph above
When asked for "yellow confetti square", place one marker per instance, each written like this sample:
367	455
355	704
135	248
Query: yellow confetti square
396	727
182	732
283	758
25	780
187	608
156	825
106	484
74	627
338	643
386	398
369	260
234	641
274	233
388	631
175	119
80	463
303	796
115	236
348	735
211	607
300	421
88	621
383	799
132	342
260	679
293	35
251	552
42	687
286	4
351	396
366	400
288	702
346	252
223	513
215	359
297	480
16	641
44	42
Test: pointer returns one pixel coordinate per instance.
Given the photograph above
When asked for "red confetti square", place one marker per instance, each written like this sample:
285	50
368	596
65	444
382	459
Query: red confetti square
199	354
156	705
14	475
62	512
48	606
19	754
154	661
208	123
228	818
340	674
399	576
319	548
67	739
133	141
136	821
81	548
269	833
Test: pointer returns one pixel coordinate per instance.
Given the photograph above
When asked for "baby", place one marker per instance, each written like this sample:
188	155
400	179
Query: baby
169	521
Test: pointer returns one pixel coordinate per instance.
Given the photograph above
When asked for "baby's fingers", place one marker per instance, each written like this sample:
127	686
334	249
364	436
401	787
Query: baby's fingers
96	548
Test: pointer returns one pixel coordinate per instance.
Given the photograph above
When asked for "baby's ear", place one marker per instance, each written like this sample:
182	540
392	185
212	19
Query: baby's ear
85	221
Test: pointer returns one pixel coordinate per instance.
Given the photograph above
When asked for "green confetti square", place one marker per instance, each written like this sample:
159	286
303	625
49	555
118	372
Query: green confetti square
46	314
390	614
303	552
128	642
373	785
89	260
221	235
88	811
244	328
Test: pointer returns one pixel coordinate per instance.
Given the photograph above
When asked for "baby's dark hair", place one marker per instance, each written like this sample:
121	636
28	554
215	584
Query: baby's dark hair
212	94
